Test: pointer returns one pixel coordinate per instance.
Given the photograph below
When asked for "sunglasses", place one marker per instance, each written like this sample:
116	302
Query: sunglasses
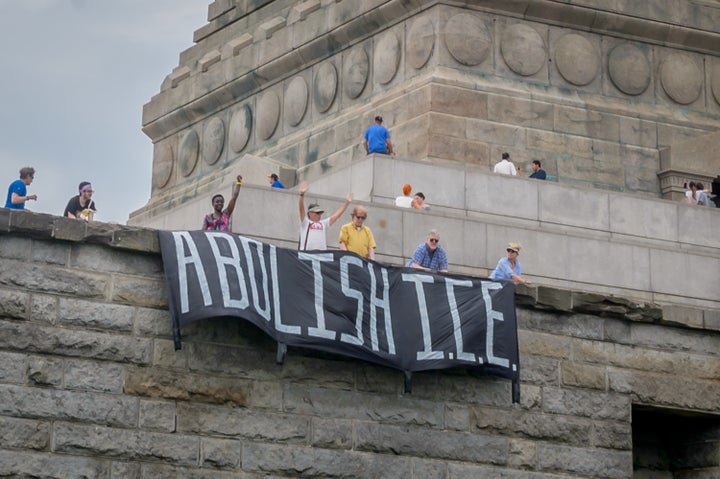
433	240
361	217
511	251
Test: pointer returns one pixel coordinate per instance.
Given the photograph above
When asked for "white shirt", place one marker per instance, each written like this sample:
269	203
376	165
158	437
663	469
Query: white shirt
315	232
403	201
505	167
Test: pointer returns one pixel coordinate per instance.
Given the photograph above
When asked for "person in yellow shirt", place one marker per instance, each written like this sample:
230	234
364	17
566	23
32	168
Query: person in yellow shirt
357	237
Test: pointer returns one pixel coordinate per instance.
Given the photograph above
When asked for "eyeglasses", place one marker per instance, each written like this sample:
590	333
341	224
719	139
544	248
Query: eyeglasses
361	217
511	251
433	240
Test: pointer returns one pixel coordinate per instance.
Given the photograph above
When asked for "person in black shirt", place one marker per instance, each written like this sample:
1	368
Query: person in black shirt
82	206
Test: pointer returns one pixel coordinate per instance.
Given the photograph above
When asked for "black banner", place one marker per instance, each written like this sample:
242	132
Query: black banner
336	301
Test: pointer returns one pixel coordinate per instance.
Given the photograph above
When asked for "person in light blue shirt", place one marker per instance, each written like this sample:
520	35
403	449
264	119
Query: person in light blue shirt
377	139
429	256
17	191
508	268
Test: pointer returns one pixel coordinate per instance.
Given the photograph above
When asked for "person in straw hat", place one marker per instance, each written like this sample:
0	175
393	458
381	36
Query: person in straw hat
508	268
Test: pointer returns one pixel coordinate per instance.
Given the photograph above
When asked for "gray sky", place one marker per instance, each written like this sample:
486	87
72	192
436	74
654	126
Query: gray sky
74	76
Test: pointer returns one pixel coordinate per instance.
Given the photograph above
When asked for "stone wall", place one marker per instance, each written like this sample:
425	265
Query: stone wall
592	89
90	385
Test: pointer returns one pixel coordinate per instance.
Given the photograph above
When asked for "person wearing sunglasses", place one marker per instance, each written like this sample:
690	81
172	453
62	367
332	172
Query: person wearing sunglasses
429	256
357	237
82	206
17	191
508	268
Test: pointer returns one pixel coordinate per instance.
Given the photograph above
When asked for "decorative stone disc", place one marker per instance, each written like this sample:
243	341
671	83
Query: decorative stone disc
355	72
629	69
715	82
213	141
681	78
387	58
296	101
268	114
240	128
523	49
420	42
325	86
163	165
576	59
467	38
188	153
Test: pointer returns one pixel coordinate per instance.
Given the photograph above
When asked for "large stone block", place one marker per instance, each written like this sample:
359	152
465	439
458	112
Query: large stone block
662	390
126	444
199	419
578	207
45	371
93	376
583	375
12	368
220	453
24	464
54	279
531	425
517	111
94	315
448	445
40	403
296	461
14	304
635	216
597	405
578	460
24	434
332	433
157	415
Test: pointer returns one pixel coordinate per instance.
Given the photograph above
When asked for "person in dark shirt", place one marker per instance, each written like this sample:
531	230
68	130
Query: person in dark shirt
538	172
82	206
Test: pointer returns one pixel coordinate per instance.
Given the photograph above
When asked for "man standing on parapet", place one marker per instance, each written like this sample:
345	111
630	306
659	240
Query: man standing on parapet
377	139
17	192
505	167
313	228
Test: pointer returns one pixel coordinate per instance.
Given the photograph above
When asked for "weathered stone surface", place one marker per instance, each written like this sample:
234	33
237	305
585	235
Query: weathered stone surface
332	433
598	462
24	464
523	49
14	304
53	279
468	38
188	153
104	409
227	421
24	434
221	453
45	371
682	316
583	375
629	69
448	445
93	375
662	390
168	384
532	425
576	59
307	462
140	292
96	315
592	404
50	252
125	444
346	405
681	78
12	368
544	344
157	415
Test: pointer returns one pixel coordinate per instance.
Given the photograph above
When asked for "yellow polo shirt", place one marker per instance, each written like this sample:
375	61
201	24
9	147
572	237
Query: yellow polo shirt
358	241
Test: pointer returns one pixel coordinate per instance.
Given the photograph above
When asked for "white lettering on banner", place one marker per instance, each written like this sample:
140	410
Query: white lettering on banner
232	261
384	303
419	279
246	242
345	261
450	284
279	326
183	262
492	315
316	259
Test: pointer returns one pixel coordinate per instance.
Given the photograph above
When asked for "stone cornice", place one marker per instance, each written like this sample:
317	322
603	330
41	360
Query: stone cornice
172	110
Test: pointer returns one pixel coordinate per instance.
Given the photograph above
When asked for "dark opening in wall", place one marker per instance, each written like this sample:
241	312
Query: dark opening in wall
672	444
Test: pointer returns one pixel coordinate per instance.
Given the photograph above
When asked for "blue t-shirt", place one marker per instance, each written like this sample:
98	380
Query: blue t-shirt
20	188
376	136
503	270
277	184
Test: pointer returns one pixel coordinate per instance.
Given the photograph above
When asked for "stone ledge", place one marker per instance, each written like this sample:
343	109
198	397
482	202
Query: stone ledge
146	240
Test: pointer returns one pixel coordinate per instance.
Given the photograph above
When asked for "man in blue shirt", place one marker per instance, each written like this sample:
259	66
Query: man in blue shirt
429	256
538	172
377	139
274	180
17	192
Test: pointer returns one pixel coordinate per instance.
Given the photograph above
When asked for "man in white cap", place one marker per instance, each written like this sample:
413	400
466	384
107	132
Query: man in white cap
313	228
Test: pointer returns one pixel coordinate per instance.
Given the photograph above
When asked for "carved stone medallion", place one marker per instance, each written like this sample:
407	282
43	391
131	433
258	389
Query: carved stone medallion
523	49
296	101
188	153
576	59
325	86
213	141
468	39
240	128
629	69
268	114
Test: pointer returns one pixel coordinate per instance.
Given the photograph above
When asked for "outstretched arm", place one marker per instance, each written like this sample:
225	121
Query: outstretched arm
301	202
390	150
341	210
236	190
